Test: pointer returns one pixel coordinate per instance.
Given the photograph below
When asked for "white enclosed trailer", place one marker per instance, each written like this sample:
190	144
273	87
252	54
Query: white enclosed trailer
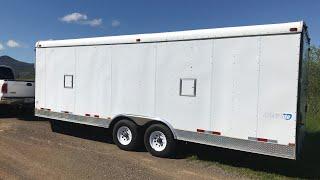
241	88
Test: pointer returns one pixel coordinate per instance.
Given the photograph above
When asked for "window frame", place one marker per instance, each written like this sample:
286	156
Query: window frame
194	87
64	81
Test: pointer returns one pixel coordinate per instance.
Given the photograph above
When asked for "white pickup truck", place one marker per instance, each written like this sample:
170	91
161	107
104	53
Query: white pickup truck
15	91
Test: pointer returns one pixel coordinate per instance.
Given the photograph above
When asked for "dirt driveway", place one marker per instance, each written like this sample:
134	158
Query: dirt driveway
30	150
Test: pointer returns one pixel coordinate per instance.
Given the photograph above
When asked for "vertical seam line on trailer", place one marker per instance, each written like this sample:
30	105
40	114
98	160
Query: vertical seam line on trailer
211	88
111	99
155	79
45	78
258	84
109	64
233	90
74	80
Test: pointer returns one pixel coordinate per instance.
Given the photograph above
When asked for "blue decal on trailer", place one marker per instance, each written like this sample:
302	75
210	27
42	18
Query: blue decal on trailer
287	116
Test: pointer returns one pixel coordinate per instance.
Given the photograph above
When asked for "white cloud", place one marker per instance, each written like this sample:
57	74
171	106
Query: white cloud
74	17
1	47
13	44
79	18
115	23
93	22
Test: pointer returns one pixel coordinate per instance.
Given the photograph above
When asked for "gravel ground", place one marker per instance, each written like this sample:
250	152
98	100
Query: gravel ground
30	150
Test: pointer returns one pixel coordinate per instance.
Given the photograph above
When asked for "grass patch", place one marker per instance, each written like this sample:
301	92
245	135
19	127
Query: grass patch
249	165
239	171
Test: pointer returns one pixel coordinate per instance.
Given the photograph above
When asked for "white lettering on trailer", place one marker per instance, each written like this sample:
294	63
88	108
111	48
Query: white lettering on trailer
280	116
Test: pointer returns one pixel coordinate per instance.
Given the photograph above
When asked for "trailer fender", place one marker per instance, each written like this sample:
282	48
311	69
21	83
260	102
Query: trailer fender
142	120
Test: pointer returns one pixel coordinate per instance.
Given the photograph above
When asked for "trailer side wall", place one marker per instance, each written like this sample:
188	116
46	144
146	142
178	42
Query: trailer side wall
242	87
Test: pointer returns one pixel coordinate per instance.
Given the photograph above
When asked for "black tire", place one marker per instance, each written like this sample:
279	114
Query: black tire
169	149
136	139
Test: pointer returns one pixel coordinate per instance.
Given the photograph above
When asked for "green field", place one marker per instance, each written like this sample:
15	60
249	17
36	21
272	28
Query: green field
254	166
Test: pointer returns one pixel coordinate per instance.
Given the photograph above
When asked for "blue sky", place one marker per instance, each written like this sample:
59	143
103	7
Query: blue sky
22	23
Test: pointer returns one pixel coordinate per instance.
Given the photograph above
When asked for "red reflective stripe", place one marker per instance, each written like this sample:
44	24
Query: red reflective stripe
200	130
262	139
216	133
292	144
293	29
96	116
87	114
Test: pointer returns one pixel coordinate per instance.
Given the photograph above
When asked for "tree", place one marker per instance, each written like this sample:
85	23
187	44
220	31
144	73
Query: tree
313	114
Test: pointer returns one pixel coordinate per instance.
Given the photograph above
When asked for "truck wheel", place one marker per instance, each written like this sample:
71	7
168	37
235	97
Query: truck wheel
126	135
159	141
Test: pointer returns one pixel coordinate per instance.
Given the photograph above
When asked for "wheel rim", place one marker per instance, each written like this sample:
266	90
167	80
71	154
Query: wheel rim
124	135
158	141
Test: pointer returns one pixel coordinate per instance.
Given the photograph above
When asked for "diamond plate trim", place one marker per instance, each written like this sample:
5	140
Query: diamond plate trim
270	149
100	122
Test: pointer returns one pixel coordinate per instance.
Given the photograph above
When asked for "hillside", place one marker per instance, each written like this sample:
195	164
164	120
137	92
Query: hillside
22	70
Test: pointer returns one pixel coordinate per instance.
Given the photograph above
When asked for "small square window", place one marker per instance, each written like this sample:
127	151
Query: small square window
68	81
188	87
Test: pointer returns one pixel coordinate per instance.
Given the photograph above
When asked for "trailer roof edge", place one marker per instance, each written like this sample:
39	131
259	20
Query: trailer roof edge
255	30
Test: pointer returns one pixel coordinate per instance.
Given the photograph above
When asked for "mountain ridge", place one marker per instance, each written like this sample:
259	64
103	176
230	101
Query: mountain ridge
22	70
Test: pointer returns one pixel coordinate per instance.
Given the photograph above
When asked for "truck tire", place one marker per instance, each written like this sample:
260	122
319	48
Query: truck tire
126	135
159	141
